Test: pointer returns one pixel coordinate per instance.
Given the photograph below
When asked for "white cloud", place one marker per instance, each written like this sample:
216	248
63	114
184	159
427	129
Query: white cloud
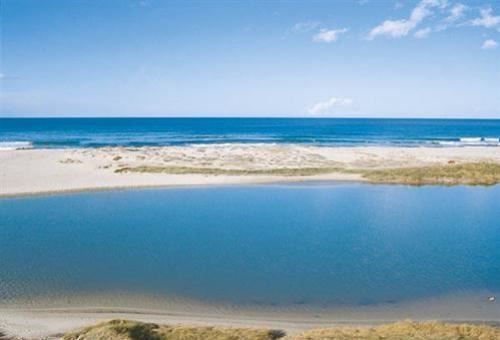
422	33
392	28
456	12
489	44
305	26
401	28
328	36
323	35
487	19
328	106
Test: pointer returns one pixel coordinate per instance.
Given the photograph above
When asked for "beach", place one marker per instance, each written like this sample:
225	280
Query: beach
44	171
250	170
39	322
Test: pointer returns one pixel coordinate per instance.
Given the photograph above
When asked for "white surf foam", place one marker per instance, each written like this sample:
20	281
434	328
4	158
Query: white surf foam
492	141
15	145
471	141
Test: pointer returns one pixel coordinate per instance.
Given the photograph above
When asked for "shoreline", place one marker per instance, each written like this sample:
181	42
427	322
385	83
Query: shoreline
250	182
44	321
53	171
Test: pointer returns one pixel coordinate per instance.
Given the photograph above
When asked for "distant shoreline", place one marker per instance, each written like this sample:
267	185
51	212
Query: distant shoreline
51	171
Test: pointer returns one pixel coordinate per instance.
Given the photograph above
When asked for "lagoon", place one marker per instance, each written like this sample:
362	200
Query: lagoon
323	244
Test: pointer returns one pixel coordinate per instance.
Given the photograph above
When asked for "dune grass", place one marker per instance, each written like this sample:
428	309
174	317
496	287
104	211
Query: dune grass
231	172
406	330
133	330
449	174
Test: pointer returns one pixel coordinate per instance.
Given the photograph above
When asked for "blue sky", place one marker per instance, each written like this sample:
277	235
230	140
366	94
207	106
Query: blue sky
311	58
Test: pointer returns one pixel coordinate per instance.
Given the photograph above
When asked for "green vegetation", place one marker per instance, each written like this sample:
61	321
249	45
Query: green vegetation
132	330
448	174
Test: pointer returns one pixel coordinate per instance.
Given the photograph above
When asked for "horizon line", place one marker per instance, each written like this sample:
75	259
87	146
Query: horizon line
247	117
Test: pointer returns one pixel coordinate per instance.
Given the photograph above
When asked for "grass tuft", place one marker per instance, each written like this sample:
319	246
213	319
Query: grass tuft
133	330
449	174
406	330
230	172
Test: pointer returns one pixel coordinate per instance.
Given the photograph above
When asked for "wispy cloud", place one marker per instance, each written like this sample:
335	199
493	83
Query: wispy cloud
489	44
456	12
329	105
423	33
487	19
328	36
305	26
400	28
322	35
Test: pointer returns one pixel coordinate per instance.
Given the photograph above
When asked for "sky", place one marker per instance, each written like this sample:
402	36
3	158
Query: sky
264	58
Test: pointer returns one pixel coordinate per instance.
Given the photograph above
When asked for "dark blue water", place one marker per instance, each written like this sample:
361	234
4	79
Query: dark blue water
343	244
92	132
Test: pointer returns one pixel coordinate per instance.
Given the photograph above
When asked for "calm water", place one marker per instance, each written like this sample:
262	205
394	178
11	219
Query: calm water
281	244
90	132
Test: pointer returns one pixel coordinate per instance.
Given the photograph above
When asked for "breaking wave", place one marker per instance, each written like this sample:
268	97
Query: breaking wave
15	145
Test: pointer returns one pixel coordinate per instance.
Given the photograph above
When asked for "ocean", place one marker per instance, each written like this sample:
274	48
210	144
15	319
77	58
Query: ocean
97	132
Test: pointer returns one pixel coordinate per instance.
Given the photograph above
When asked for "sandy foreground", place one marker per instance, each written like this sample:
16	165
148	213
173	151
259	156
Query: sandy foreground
51	319
39	171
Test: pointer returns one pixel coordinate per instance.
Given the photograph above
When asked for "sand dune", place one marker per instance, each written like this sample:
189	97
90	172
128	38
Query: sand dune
38	171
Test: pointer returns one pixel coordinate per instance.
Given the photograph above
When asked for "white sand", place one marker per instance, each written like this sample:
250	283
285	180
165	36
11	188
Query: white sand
58	170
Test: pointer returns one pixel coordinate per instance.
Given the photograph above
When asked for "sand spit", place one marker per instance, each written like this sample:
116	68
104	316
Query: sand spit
39	171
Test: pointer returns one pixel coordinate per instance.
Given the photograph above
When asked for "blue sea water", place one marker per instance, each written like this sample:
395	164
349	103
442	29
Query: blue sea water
94	132
327	244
